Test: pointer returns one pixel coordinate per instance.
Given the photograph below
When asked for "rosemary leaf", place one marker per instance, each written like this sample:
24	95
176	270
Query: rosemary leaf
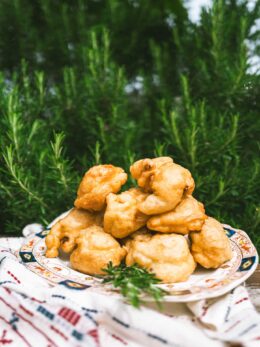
134	282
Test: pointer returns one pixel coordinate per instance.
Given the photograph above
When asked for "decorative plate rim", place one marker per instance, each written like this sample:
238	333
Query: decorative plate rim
27	249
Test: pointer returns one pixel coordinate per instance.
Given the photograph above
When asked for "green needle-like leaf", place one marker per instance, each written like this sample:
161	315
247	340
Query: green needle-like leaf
134	282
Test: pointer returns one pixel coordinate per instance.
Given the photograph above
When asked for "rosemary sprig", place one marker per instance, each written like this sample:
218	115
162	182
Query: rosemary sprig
133	282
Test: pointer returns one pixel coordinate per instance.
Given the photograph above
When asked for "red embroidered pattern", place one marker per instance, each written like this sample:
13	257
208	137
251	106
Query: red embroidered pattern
17	333
26	311
57	331
71	316
4	340
241	300
94	333
13	276
29	322
119	339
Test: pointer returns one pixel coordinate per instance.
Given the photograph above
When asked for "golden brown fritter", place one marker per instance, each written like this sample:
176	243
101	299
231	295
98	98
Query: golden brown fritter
188	216
122	216
211	247
144	169
142	234
167	256
167	181
95	249
97	183
65	231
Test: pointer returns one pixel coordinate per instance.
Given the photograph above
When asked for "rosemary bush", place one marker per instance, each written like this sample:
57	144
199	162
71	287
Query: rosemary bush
86	82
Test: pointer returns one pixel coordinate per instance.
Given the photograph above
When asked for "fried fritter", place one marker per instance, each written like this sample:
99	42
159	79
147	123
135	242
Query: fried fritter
122	216
211	247
188	216
142	234
167	256
96	184
167	181
95	249
143	171
65	231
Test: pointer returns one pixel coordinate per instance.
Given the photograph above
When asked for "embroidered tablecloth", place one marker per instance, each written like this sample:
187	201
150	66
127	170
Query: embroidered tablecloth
34	314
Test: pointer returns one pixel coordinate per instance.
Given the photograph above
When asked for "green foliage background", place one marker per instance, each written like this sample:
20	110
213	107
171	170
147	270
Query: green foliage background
85	82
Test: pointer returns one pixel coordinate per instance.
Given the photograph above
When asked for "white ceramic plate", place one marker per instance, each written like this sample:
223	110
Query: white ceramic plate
202	284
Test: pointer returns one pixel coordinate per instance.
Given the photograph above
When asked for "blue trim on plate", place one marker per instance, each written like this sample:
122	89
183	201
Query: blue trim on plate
247	263
74	285
42	234
27	257
229	232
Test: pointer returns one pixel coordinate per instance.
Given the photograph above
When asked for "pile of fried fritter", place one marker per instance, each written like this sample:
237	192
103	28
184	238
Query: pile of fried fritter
144	225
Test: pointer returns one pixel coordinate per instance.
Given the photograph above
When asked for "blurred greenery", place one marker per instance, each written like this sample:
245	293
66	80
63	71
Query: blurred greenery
85	82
